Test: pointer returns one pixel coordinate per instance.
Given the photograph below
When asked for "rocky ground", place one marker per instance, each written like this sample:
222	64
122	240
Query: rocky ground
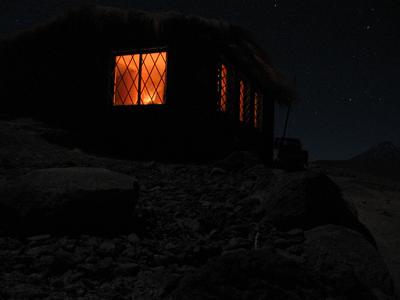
233	229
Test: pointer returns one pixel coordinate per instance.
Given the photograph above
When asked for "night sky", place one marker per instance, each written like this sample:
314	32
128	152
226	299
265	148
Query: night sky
344	56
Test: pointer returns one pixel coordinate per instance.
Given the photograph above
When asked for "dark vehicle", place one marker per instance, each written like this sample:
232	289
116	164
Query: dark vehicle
289	154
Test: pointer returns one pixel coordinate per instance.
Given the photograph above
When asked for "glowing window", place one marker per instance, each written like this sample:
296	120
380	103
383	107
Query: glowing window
223	87
241	101
245	105
140	79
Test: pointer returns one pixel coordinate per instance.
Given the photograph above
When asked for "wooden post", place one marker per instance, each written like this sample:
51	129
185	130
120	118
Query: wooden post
268	113
140	80
287	120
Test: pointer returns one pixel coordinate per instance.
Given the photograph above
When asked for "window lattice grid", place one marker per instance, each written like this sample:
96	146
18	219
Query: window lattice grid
140	79
258	110
241	101
153	78
245	105
223	87
126	79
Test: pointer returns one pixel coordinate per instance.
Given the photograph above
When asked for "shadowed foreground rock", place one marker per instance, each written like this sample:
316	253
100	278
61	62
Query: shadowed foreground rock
243	274
71	200
307	200
343	256
265	274
334	262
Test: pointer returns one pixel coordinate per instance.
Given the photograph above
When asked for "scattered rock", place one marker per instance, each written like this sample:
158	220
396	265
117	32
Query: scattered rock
130	269
238	160
217	171
104	268
27	291
35	278
133	238
192	224
37	251
130	252
38	238
92	242
107	247
170	246
161	259
237	243
64	261
296	231
282	243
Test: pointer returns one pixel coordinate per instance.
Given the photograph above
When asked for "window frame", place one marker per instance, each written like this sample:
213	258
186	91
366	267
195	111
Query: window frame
141	52
222	106
246	111
251	110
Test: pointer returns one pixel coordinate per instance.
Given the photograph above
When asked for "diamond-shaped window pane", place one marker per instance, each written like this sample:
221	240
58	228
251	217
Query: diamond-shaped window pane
245	104
140	79
241	101
223	87
153	79
126	79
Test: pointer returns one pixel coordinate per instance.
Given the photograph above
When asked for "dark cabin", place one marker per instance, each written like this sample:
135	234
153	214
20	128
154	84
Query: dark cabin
145	84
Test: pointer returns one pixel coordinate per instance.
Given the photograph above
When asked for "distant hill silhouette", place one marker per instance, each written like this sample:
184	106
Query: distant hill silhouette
381	160
383	152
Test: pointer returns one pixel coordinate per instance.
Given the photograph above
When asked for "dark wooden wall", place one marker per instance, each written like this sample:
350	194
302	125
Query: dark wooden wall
66	79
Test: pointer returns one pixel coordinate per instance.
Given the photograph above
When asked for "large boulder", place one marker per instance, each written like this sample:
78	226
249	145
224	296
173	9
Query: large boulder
343	256
71	200
307	200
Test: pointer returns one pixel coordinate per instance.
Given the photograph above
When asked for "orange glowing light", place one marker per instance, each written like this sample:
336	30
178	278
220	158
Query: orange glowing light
241	101
258	101
223	87
140	79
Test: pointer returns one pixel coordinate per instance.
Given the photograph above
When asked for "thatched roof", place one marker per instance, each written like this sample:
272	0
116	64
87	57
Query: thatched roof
117	28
